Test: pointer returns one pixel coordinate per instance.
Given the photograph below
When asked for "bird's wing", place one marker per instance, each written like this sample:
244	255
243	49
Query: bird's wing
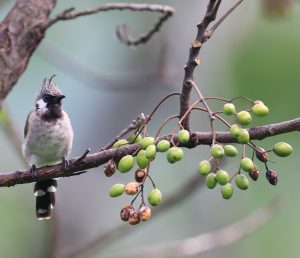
26	124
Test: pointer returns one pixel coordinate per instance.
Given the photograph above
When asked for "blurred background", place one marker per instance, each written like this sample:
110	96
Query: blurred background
255	53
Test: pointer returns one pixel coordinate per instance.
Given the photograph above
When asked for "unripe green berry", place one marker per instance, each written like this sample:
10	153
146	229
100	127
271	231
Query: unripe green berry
227	191
282	149
211	181
217	151
141	159
230	151
150	151
183	136
120	143
260	109
235	130
163	146
126	164
242	182
146	142
116	190
133	136
244	136
204	167
154	197
222	177
244	117
174	154
247	164
229	109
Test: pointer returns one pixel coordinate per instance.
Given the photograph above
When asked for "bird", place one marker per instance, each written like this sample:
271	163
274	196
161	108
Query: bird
48	139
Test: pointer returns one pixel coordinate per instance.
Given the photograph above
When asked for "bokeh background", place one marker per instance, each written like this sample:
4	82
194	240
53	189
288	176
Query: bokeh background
108	84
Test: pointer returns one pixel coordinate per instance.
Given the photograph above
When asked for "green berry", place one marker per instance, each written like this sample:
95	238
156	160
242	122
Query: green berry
229	109
150	151
247	164
126	164
204	167
244	118
242	182
141	159
116	190
217	151
282	149
133	136
227	191
211	181
260	109
235	130
163	146
154	197
222	177
183	136
230	151
244	136
174	154
146	142
120	143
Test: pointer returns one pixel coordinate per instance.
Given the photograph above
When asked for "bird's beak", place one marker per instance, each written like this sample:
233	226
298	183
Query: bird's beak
59	98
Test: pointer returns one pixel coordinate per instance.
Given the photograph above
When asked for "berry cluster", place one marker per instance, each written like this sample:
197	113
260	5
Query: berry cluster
149	147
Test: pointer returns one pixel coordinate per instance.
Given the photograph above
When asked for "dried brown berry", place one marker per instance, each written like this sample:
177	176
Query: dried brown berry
145	213
261	155
134	218
132	188
125	212
272	177
110	168
254	173
139	175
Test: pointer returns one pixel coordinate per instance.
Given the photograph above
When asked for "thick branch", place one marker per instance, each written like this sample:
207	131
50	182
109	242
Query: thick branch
100	158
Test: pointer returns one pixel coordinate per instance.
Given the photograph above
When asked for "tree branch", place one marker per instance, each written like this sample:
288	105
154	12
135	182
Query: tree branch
77	165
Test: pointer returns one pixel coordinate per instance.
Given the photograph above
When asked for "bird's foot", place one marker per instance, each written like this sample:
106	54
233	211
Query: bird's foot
65	164
32	171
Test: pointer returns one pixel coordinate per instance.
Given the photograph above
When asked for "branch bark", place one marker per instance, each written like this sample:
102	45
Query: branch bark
77	165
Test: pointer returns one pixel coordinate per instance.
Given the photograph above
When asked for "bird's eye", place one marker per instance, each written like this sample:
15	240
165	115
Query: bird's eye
46	98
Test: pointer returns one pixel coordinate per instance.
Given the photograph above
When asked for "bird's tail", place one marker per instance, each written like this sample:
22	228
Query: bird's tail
45	198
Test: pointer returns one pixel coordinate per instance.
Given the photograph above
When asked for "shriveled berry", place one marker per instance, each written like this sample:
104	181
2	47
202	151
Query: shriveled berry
174	154
211	181
120	143
227	191
244	117
110	168
247	164
139	175
272	177
242	182
116	190
163	146
125	212
183	136
204	167
146	142
259	109
261	155
254	173
141	159
222	177
150	152
235	130
126	164
145	213
134	218
132	188
217	151
230	151
282	149
244	136
154	197
229	109
134	138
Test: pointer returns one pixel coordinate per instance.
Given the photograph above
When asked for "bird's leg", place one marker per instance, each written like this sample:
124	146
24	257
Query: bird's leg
32	170
64	163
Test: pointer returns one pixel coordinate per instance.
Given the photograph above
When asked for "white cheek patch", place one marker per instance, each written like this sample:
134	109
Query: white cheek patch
41	104
39	193
51	189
